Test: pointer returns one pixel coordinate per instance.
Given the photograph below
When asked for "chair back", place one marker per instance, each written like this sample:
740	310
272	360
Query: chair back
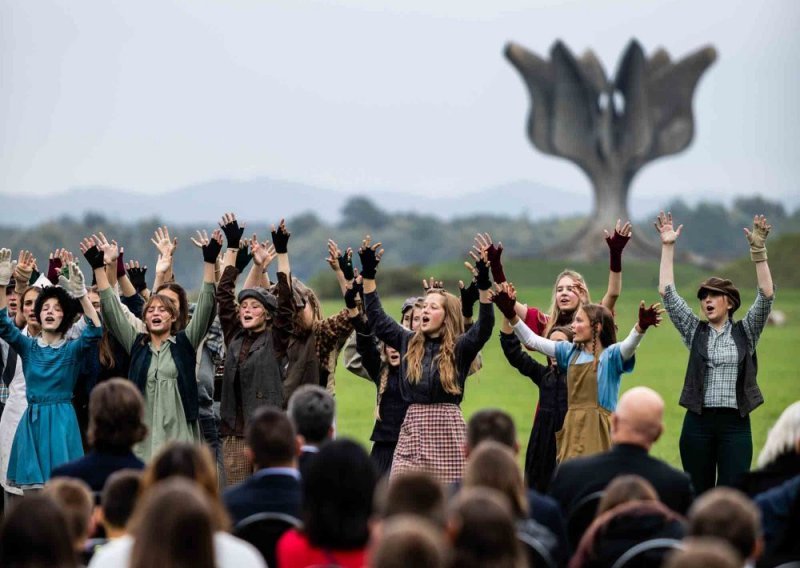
580	516
263	530
536	552
647	553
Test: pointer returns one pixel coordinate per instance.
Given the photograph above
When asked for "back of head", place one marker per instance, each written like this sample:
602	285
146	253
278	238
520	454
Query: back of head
75	499
34	534
729	515
116	416
416	493
624	489
482	530
638	418
408	540
337	496
704	553
173	526
491	424
119	497
493	465
311	409
783	437
194	462
271	438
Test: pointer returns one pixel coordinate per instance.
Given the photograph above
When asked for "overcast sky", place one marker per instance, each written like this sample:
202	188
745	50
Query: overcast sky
412	95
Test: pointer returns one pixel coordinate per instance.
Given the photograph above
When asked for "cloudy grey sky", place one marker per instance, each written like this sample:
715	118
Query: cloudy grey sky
409	95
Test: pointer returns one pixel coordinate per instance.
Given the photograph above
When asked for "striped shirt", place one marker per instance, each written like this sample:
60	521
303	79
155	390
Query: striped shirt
723	361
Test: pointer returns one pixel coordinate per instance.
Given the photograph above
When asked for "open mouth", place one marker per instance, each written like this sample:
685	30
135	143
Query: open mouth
426	320
156	321
49	319
248	318
394	359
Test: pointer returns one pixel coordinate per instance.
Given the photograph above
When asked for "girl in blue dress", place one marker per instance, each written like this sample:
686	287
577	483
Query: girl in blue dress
48	433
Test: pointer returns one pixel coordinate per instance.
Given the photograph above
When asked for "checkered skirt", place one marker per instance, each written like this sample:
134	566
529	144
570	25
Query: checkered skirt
432	439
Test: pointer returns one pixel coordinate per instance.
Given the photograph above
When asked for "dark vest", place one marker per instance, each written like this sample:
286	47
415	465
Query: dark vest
260	377
748	395
184	356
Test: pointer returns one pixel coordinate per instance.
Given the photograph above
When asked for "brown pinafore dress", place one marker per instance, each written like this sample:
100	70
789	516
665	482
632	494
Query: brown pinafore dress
587	425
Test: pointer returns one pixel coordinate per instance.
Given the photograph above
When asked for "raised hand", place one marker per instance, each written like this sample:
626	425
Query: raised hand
162	241
72	280
616	242
110	249
243	258
26	264
353	291
233	232
481	269
431	283
666	229
649	317
6	267
211	247
280	237
505	298
136	274
340	261
92	254
757	238
263	253
483	242
370	256
53	264
469	295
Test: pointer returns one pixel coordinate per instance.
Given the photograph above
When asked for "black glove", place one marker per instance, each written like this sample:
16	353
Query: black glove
506	305
469	295
280	240
233	233
369	262
136	276
94	256
34	277
346	265
351	294
211	251
243	258
482	279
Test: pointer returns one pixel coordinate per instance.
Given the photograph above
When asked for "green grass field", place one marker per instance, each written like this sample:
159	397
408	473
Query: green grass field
661	364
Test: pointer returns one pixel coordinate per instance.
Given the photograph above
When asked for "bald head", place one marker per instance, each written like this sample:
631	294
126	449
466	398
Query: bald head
639	418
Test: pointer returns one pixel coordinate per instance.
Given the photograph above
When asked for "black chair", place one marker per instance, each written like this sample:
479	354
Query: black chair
580	516
647	553
537	553
263	530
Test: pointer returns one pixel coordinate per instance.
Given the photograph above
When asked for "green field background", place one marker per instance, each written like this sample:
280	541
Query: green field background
660	363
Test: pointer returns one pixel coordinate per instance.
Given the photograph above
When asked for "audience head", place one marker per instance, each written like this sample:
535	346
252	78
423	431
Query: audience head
491	424
60	310
305	299
271	439
174	526
311	409
416	493
639	418
27	303
482	530
408	540
12	299
35	534
180	301
75	499
116	416
728	514
337	496
626	488
118	500
783	437
704	553
194	462
492	465
410	312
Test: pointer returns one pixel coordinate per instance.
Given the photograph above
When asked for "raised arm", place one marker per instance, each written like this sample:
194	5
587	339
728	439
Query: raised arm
205	310
72	280
383	326
757	239
166	247
668	235
616	242
648	317
263	255
22	276
505	298
8	329
476	337
341	263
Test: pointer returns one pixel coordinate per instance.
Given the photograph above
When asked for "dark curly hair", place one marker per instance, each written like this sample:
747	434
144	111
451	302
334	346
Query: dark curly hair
69	306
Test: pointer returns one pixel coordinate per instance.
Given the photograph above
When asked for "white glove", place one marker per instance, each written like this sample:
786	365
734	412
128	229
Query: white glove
71	279
6	267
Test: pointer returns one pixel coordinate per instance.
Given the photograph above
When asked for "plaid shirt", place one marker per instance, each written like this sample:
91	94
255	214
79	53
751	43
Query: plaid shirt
723	360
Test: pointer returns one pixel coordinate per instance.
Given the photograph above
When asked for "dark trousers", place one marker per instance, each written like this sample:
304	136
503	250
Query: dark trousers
716	447
210	429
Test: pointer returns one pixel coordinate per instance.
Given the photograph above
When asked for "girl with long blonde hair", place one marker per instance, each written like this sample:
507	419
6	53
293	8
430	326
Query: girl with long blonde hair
434	363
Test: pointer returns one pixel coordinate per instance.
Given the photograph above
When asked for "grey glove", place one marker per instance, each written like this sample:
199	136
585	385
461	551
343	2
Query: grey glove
71	279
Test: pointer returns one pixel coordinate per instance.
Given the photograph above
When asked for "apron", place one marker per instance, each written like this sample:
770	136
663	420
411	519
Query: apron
587	425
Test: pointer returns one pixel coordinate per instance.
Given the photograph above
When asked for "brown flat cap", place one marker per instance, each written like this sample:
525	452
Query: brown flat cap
721	286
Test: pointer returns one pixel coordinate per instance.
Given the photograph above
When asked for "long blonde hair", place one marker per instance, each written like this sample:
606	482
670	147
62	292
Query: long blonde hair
556	317
452	328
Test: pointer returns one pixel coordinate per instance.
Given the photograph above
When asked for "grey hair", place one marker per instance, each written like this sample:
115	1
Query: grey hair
783	436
